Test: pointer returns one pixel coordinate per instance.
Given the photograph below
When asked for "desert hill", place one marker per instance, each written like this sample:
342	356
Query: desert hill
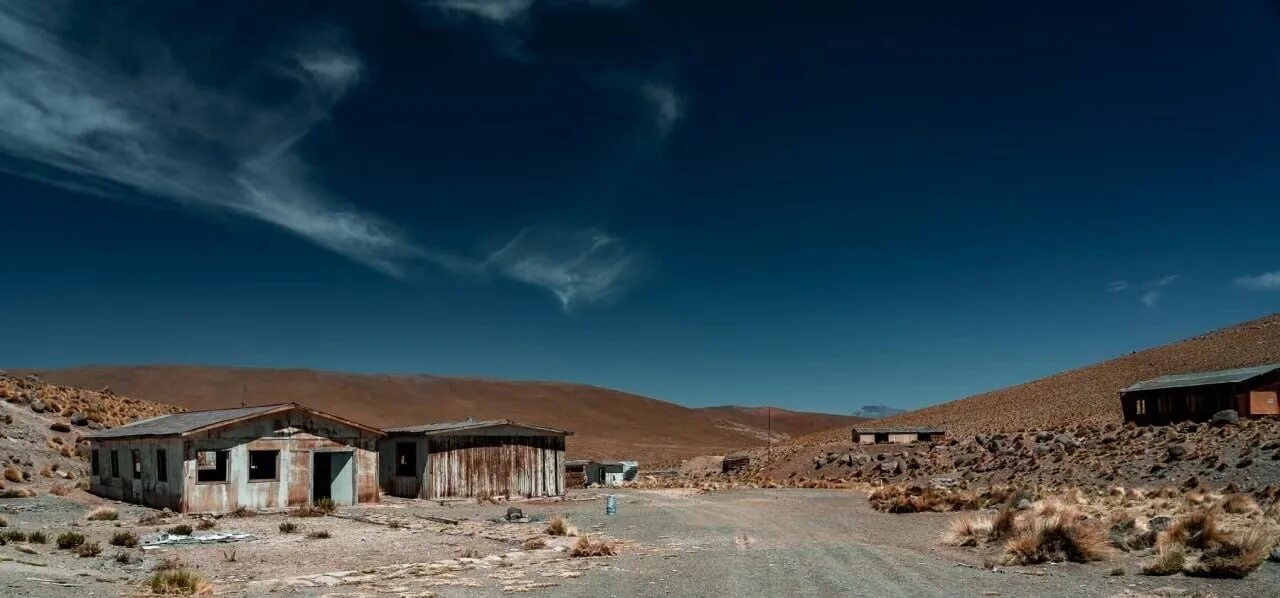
606	423
786	423
1090	395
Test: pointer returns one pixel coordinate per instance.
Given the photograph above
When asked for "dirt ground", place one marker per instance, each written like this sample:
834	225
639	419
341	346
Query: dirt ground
766	542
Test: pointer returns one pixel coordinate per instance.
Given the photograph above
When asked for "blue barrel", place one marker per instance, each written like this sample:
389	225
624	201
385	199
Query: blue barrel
610	505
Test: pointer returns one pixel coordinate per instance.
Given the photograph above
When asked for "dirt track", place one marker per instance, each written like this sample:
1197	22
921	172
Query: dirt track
825	543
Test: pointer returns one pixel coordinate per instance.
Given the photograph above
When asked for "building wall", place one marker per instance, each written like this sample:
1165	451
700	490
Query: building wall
866	438
297	435
1264	402
148	489
498	461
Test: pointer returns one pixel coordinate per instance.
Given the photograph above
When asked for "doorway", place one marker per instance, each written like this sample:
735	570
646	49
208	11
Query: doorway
333	477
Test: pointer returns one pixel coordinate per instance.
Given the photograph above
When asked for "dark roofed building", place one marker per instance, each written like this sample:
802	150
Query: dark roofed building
216	461
897	434
473	459
1196	396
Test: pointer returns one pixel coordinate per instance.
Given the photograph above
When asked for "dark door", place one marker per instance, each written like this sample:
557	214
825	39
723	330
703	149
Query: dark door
321	486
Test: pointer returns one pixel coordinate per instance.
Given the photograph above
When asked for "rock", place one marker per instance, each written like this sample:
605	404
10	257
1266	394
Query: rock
514	513
1226	417
891	467
1024	505
38	406
59	427
94	425
1245	462
79	419
1192	482
1178	452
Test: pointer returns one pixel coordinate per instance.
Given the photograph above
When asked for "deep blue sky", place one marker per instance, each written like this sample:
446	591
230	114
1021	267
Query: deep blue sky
815	206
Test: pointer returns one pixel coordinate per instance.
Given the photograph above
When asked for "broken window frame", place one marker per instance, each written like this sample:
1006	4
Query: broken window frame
135	458
95	468
162	465
275	465
115	464
221	463
406	460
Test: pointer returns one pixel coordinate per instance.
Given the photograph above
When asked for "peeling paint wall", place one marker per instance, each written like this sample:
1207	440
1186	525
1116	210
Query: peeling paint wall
297	436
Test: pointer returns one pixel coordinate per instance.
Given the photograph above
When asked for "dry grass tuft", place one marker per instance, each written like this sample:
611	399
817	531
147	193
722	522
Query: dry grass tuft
559	526
1197	545
321	508
586	547
179	581
1239	504
1236	558
61	490
89	549
1062	536
242	512
37	537
534	544
17	493
182	529
13	474
1169	560
69	540
104	514
125	539
288	527
969	529
319	535
206	524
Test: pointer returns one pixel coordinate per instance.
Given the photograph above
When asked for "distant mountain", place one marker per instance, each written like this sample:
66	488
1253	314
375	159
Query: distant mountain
877	411
784	422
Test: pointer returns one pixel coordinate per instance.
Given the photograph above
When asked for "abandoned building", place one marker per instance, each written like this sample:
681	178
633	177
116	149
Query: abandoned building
897	435
1196	396
273	456
472	459
586	474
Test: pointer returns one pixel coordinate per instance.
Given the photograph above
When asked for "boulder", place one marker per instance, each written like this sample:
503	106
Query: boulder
1226	417
1023	505
79	419
514	513
59	427
1179	451
38	406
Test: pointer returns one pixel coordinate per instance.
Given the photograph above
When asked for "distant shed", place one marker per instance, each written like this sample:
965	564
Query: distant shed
216	461
1196	396
897	434
473	458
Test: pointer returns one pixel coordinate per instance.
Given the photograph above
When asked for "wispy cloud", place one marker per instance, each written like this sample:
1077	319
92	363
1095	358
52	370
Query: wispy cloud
508	11
69	120
667	104
1150	292
1267	281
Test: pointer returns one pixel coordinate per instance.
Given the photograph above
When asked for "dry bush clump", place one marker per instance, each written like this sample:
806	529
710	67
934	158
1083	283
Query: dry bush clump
242	512
69	540
970	529
319	535
179	581
586	547
1239	504
103	514
1196	544
155	518
13	535
89	549
125	539
13	474
321	508
206	524
17	493
1130	534
534	544
559	526
1061	536
4	522
182	529
37	537
288	527
61	489
898	498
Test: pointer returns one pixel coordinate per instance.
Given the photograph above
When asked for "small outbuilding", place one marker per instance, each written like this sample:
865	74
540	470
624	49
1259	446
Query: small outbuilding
216	461
473	459
897	434
1196	396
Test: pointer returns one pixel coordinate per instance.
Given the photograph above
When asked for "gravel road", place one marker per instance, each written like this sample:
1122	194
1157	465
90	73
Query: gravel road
830	543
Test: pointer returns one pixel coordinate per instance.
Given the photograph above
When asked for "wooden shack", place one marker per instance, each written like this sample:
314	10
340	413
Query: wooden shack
217	461
897	434
473	459
1196	396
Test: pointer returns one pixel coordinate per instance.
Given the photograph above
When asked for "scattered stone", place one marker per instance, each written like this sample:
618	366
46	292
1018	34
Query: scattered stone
1226	417
79	419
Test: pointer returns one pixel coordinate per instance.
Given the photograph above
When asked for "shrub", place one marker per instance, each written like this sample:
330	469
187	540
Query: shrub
13	535
534	544
123	558
37	537
1236	558
586	547
206	524
1239	504
4	522
69	540
244	512
288	527
320	509
1059	537
559	526
319	535
968	530
182	529
104	514
17	493
13	474
89	549
60	490
171	563
1169	560
326	505
125	539
179	581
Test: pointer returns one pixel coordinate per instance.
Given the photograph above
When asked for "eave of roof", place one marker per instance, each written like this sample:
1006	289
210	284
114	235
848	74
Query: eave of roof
192	422
899	430
462	426
1231	376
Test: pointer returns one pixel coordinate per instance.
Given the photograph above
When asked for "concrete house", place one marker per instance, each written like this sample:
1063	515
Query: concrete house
1196	396
473	458
273	456
897	435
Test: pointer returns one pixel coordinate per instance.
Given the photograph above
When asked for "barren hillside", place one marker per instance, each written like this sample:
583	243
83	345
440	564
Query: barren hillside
785	423
606	423
1090	395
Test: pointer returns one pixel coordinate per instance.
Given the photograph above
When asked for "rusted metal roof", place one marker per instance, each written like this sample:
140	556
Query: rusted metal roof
900	430
178	424
450	427
1231	376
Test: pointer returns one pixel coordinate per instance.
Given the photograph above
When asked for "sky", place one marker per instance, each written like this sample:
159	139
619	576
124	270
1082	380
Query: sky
816	206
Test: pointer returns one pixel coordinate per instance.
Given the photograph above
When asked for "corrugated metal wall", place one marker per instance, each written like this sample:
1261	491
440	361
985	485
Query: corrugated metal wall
460	466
